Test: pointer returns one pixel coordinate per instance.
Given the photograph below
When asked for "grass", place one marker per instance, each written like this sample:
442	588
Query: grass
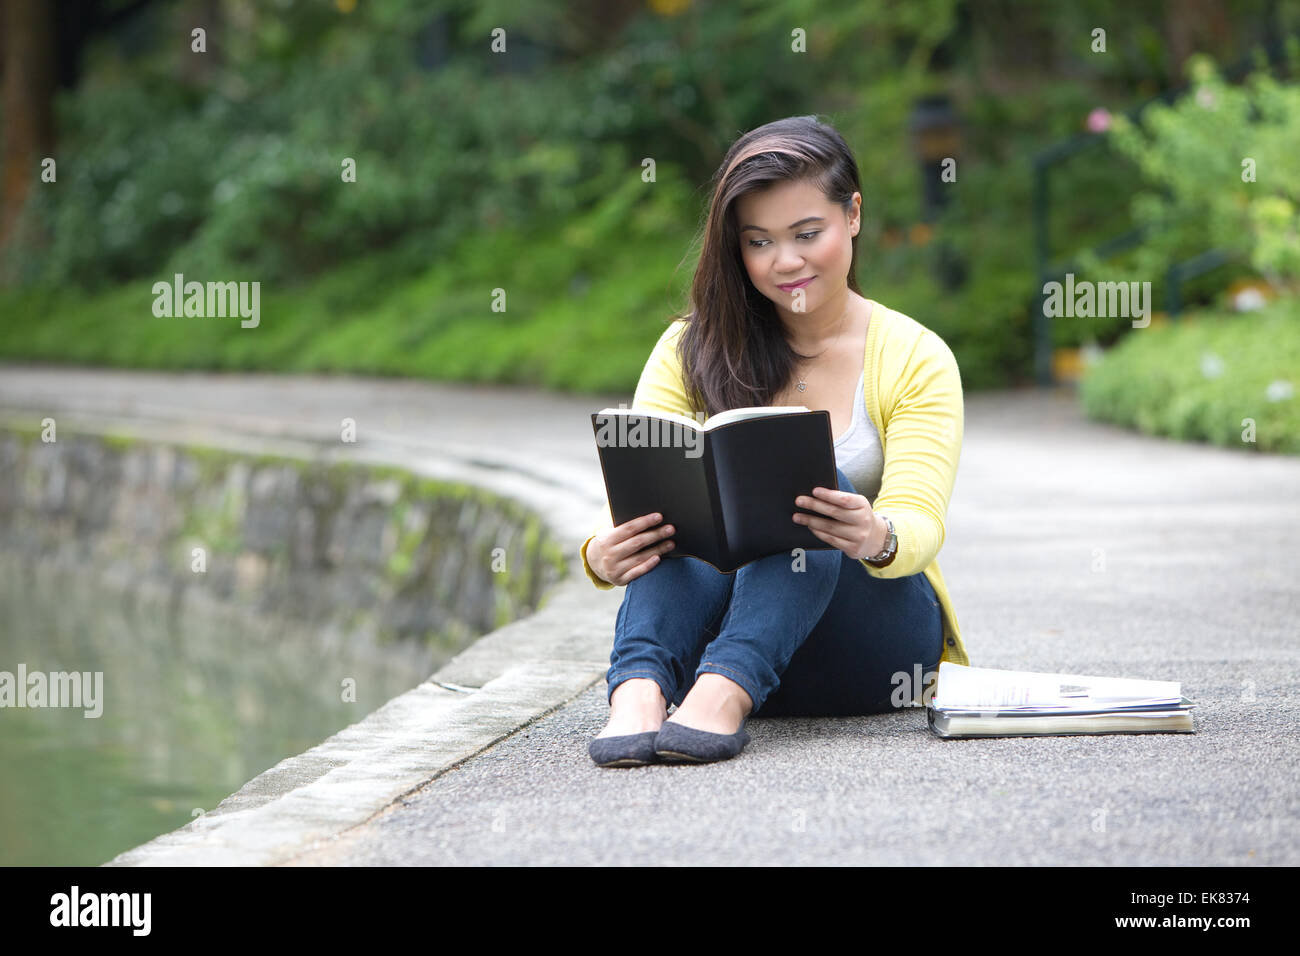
583	304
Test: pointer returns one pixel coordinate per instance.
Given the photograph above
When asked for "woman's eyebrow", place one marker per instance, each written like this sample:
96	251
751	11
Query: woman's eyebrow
793	225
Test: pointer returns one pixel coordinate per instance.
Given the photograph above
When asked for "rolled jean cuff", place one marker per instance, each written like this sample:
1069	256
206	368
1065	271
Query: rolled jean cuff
756	694
665	685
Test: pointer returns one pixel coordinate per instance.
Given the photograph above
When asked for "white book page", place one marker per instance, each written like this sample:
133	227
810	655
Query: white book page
986	688
653	413
752	411
722	418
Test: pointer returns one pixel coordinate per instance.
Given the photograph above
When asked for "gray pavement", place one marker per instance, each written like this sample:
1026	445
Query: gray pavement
1071	546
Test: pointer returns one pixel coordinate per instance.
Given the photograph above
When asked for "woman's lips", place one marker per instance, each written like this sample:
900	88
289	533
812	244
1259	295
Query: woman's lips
790	287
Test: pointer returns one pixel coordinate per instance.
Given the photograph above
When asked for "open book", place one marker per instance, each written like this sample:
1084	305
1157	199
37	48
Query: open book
984	702
727	485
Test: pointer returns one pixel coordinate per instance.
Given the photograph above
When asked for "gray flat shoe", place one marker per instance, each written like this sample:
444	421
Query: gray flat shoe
677	742
625	750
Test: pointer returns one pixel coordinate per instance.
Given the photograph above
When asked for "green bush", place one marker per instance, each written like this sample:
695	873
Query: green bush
157	177
1198	155
1207	378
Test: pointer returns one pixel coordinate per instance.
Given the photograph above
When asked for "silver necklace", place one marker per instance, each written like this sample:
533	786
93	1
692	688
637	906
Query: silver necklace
802	384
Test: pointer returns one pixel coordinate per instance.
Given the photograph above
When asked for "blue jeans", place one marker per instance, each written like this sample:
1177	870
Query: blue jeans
827	640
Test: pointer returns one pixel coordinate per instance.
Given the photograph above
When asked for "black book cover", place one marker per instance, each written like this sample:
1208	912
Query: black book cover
730	494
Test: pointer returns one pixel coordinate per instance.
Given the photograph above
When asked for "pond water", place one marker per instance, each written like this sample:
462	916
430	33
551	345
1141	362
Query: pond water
193	707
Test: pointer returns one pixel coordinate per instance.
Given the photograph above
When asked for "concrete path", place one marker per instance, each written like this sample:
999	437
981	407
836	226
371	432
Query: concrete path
1071	547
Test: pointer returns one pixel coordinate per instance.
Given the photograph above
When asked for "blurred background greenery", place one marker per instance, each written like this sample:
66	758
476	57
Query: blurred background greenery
522	170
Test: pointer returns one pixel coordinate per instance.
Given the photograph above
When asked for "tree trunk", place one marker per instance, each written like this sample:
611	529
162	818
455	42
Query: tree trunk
1196	25
28	38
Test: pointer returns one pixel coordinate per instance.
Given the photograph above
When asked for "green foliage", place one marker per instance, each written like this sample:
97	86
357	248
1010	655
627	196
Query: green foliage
128	187
522	171
159	177
585	301
986	321
1203	378
236	171
1195	154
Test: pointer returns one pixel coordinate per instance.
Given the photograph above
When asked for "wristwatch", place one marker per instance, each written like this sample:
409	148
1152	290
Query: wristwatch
891	544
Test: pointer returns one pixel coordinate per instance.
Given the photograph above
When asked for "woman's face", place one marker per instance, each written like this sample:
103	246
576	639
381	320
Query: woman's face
791	232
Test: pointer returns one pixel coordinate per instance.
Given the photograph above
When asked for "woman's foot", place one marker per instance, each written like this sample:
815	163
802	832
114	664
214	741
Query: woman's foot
636	707
715	703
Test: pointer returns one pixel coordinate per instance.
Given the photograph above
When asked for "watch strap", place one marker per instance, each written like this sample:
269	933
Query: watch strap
891	543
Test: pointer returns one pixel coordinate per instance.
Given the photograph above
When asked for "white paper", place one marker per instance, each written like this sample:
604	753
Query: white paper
985	688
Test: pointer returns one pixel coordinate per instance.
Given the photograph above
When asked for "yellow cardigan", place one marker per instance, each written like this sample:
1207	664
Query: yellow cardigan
913	393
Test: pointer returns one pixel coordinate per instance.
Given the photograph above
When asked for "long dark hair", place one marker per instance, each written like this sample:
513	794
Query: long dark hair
733	351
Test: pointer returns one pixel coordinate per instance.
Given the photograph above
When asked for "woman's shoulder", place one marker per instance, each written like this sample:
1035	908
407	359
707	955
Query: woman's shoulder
663	358
900	338
671	332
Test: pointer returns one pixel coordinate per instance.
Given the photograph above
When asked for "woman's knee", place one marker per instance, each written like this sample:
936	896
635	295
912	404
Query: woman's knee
678	571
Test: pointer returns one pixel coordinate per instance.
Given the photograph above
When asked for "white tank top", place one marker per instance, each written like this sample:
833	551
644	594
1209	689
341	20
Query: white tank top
858	453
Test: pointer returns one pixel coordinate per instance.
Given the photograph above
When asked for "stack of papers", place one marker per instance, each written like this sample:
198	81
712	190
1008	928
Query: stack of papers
984	702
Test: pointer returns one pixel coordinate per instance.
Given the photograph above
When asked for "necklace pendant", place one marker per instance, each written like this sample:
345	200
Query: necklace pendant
802	385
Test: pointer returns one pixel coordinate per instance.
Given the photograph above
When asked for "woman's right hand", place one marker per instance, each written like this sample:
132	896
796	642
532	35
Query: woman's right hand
625	552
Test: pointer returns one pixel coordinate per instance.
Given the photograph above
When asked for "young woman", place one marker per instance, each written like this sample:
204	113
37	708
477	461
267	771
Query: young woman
777	318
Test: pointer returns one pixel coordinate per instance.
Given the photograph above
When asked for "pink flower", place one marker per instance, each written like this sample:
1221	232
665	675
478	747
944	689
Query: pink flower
1098	120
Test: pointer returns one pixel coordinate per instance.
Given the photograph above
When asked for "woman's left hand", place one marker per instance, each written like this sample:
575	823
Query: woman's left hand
849	523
